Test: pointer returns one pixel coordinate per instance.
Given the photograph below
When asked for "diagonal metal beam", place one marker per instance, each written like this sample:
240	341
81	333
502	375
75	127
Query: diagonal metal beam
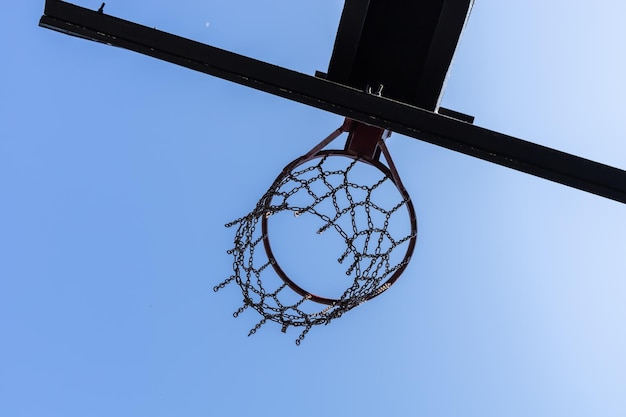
399	117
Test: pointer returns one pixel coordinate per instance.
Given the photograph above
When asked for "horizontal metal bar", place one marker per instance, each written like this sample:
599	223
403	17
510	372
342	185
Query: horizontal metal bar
399	117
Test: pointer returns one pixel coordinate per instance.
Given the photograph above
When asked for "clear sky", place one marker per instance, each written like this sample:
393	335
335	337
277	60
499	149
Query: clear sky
119	171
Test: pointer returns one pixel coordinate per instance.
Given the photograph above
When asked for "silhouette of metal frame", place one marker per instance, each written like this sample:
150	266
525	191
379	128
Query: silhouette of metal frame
427	123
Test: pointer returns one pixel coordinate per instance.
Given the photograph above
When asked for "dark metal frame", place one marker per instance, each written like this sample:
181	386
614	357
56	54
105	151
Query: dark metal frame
403	118
405	46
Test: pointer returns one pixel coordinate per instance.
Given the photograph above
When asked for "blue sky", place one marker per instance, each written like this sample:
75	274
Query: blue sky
118	173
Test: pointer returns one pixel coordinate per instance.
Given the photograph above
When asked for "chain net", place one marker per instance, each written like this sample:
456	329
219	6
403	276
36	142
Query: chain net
379	238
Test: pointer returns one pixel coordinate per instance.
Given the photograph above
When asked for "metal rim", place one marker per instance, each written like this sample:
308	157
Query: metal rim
403	192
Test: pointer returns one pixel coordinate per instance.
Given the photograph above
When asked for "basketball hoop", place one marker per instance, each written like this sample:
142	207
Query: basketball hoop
332	187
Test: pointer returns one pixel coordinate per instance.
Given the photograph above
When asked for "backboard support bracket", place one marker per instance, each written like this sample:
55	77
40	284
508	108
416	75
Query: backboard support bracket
445	130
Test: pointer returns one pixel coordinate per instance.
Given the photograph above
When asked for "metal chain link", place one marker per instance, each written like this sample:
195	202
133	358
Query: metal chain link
370	267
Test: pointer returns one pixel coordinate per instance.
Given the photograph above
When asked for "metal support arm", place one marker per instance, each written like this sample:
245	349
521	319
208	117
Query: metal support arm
399	117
